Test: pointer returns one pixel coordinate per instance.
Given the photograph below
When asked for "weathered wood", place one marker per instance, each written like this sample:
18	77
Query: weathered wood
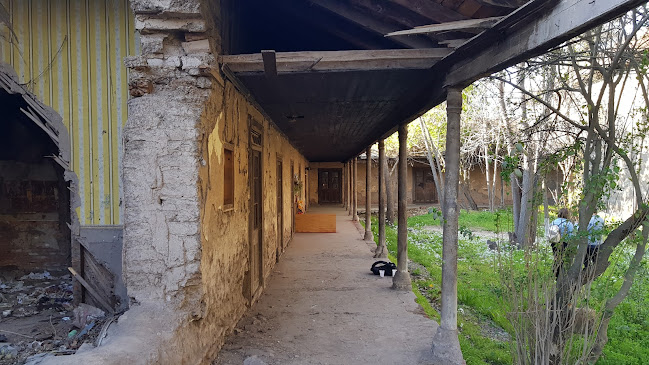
529	31
381	250
450	26
368	195
354	192
446	345
92	291
270	63
315	223
454	43
368	22
385	59
401	280
430	9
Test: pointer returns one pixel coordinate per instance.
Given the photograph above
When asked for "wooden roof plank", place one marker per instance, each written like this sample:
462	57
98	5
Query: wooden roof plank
431	10
530	31
449	26
368	22
287	62
270	62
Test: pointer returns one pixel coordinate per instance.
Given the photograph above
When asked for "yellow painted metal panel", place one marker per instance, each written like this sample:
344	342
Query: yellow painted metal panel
70	54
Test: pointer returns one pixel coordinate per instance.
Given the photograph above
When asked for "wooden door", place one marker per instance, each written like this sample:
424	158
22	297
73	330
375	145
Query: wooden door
256	234
424	186
280	209
329	186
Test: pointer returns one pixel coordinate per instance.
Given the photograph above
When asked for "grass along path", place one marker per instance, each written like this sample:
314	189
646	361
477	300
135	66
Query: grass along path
484	328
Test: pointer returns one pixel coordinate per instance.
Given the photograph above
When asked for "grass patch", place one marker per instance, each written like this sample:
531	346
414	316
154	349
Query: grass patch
480	291
500	221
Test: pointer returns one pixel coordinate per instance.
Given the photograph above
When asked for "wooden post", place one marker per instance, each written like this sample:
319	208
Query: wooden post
343	196
349	188
446	346
401	281
354	197
381	250
368	196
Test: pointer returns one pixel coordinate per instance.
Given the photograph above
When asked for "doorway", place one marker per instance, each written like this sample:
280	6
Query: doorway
424	186
280	209
329	187
256	231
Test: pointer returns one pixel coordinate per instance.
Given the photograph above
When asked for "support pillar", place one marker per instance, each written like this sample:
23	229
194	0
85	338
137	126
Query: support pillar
368	196
446	346
401	280
354	196
381	250
349	187
343	179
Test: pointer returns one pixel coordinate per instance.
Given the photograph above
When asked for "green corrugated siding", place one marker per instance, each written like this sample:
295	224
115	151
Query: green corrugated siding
70	55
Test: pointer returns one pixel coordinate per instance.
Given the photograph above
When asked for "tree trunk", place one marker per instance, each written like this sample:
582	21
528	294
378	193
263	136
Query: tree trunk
390	215
434	167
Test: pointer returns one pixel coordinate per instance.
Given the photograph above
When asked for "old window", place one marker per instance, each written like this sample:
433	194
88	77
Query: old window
228	178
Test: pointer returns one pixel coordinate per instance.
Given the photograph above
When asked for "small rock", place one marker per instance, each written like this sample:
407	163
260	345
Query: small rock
237	331
3	338
8	352
6	313
253	360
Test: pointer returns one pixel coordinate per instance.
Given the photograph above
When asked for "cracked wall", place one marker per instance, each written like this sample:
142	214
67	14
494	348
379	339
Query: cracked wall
186	252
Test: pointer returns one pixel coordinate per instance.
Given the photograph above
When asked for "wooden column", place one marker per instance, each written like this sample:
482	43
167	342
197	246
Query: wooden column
368	196
343	186
446	346
354	197
381	250
402	280
349	187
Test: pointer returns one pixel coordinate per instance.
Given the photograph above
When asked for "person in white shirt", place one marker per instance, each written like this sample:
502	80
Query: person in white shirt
595	229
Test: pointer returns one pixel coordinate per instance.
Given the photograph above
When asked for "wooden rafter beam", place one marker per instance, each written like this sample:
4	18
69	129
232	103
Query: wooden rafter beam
388	59
527	32
430	9
369	23
270	63
449	26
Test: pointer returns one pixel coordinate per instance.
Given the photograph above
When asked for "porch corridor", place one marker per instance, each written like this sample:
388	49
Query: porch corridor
322	305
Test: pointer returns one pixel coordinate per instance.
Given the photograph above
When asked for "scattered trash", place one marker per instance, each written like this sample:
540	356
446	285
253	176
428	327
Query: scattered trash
39	318
85	313
8	352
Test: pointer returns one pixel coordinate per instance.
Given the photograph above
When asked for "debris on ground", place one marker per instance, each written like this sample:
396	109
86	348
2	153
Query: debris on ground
40	320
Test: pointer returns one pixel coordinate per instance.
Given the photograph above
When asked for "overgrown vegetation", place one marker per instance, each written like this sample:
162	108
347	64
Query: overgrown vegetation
486	332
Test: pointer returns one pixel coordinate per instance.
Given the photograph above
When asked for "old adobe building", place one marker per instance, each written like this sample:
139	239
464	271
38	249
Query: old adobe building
231	104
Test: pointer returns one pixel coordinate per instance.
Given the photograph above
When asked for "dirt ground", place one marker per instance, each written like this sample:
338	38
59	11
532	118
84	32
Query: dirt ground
322	305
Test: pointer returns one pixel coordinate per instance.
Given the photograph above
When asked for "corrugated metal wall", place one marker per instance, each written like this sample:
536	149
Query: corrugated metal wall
70	54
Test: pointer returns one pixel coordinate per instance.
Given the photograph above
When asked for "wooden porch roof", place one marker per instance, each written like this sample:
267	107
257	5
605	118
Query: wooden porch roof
337	75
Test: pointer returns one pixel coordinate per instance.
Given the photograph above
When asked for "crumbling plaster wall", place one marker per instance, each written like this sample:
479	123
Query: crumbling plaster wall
185	253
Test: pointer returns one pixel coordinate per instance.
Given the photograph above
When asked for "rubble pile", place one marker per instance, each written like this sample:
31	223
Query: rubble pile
38	318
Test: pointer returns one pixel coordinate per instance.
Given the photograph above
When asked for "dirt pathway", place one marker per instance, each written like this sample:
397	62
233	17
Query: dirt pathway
323	306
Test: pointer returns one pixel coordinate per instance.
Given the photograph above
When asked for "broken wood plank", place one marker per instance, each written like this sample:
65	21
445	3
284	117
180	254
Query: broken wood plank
453	43
270	63
92	291
529	31
449	26
287	62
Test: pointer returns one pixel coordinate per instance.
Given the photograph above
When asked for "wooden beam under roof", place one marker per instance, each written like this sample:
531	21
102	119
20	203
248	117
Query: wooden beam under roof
370	23
528	32
322	61
431	10
449	26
